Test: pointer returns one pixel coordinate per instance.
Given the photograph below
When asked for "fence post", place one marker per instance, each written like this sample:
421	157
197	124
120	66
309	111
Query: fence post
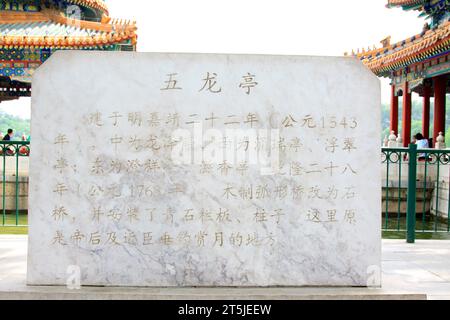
411	198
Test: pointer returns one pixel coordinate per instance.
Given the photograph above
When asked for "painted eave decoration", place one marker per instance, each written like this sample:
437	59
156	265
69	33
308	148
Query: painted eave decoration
433	41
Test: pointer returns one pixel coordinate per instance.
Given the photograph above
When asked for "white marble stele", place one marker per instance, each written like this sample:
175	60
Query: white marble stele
111	204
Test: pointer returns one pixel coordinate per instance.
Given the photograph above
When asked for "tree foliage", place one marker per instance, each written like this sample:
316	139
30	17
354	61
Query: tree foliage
19	125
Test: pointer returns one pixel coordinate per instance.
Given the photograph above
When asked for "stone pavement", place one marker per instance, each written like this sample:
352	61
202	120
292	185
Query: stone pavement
423	267
410	271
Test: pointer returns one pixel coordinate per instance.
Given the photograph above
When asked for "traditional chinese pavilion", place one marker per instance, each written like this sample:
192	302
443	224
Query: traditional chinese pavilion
418	64
31	30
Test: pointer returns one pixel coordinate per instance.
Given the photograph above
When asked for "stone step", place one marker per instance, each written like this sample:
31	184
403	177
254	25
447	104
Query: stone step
113	293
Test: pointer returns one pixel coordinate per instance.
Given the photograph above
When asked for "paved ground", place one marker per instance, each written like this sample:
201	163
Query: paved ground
409	272
423	267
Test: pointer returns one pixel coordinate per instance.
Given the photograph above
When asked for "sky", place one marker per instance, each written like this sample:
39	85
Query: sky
294	27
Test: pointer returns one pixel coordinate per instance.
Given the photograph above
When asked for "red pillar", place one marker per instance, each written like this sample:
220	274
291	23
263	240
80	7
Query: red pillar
406	116
426	112
439	105
394	110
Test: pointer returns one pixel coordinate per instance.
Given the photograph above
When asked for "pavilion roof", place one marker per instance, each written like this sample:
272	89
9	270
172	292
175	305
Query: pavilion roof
391	57
393	3
50	29
428	8
45	29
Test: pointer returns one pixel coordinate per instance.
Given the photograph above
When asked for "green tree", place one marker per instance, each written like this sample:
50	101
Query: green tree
19	125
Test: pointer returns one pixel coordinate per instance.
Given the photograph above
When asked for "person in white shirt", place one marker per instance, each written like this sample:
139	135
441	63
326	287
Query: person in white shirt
422	143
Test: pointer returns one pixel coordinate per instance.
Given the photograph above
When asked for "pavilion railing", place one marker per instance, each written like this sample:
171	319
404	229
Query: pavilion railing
416	192
14	183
